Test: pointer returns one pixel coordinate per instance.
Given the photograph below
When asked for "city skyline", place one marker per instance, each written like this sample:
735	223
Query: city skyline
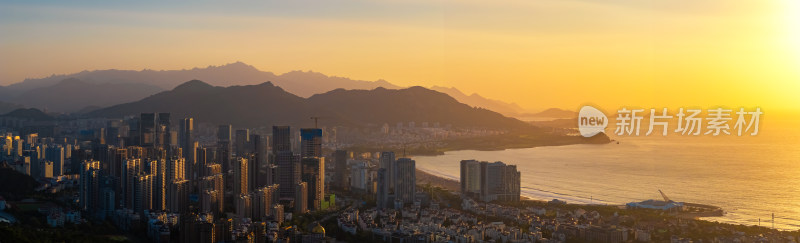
466	121
157	183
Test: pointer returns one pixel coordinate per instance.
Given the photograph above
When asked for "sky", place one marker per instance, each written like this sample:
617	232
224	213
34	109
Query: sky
537	53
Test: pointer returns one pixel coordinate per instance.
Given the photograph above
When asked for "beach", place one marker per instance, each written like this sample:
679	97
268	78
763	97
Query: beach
750	178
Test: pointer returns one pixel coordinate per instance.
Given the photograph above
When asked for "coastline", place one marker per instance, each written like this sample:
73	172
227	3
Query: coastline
446	183
510	140
449	184
453	186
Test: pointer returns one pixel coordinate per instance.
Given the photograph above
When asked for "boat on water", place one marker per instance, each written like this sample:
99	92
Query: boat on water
679	208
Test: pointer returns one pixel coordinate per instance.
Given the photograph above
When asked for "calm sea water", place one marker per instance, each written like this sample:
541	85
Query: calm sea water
749	177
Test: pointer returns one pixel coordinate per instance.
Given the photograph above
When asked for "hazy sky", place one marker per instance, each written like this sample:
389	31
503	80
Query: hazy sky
538	53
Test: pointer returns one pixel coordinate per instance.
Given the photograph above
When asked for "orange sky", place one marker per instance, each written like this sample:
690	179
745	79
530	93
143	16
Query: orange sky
545	53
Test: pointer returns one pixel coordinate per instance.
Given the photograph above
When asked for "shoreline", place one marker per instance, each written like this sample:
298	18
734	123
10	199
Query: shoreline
454	186
446	183
519	140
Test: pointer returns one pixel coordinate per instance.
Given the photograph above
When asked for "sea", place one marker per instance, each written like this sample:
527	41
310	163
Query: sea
749	177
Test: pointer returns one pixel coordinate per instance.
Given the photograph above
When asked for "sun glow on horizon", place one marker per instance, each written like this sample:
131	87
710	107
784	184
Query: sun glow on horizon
538	54
792	27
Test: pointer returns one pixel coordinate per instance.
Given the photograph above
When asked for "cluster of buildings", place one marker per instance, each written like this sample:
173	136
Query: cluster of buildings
160	180
38	157
430	224
136	170
393	219
391	180
418	136
146	173
476	221
490	181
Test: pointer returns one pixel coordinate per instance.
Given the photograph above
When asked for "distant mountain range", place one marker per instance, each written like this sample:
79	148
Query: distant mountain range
552	113
505	108
72	94
6	107
29	114
266	104
68	93
301	83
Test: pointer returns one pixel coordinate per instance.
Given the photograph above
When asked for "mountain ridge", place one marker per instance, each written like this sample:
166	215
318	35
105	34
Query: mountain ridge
301	83
269	104
505	108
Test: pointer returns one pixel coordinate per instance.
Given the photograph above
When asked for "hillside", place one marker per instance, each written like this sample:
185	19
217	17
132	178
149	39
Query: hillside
266	104
416	104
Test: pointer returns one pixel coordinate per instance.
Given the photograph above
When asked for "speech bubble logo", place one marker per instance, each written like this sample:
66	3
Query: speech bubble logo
591	121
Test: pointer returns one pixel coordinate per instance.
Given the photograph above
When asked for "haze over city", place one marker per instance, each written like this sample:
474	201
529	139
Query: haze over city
441	121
